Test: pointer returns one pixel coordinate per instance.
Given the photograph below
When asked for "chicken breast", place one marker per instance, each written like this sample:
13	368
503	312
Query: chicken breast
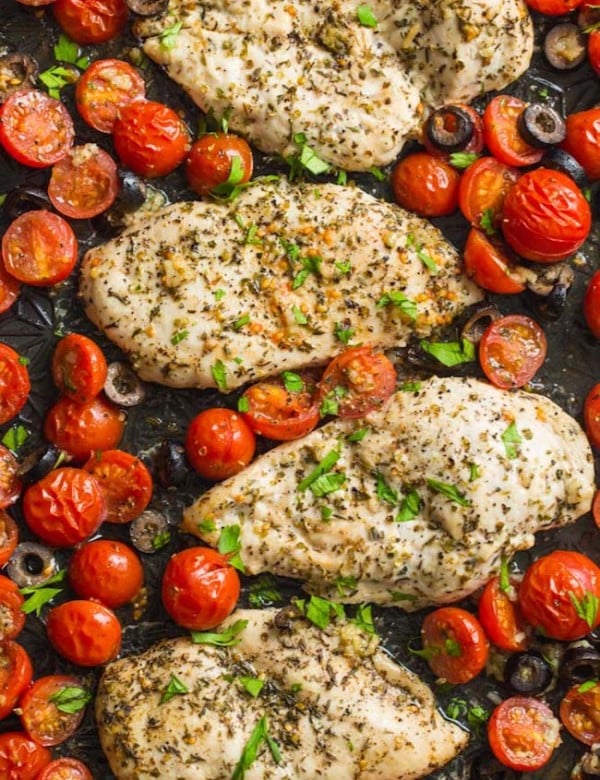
415	507
216	295
289	72
337	707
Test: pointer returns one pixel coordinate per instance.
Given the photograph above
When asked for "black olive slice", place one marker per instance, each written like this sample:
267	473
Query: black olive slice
527	673
17	71
31	564
542	126
23	199
565	46
487	767
594	637
149	531
122	385
478	321
449	128
170	465
548	287
559	160
579	664
590	766
148	7
37	464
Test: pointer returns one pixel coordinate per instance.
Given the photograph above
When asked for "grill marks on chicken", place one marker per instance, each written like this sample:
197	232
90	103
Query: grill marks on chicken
216	295
277	68
431	497
337	706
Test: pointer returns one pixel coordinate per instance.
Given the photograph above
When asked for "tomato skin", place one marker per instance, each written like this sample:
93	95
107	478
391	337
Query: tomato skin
591	305
547	590
9	536
41	719
483	188
281	414
107	571
523	733
16	671
126	482
10	288
210	159
580	712
64	507
79	367
104	89
501	620
12	617
20	757
554	7
84	183
219	443
150	138
425	184
486	263
199	588
511	351
596	508
81	429
593	50
10	482
91	21
501	134
591	416
65	769
457	643
583	140
84	632
14	383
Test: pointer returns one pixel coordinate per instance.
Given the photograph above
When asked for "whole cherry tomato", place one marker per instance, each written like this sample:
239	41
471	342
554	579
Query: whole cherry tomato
523	733
53	708
65	769
580	712
200	588
84	632
12	617
107	571
596	508
14	383
500	616
487	263
554	7
82	429
455	644
9	536
20	757
511	350
583	140
79	367
219	443
126	482
425	184
591	416
482	190
216	159
591	305
501	132
10	481
16	671
91	21
281	409
104	89
84	183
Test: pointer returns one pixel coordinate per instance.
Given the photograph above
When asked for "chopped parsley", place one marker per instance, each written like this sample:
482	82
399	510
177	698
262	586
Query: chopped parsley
345	584
66	50
174	688
330	403
364	619
219	374
343	267
423	256
229	544
179	336
264	592
319	611
292	382
299	316
306	159
241	321
342	333
57	77
450	353
410	387
71	699
462	159
252	685
505	585
586	607
365	16
459	709
227	638
161	539
358	435
310	265
486	223
168	37
321	469
511	438
450	491
474	472
399	301
410	506
207	526
41	594
15	437
385	492
260	735
377	173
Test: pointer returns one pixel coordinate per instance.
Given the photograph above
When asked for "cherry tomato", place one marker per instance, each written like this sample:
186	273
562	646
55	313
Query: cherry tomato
107	571
84	183
593	50
81	429
150	138
583	140
455	643
10	288
9	536
219	443
79	367
16	671
10	482
43	718
91	21
357	382
12	617
488	265
14	383
35	129
523	733
84	632
64	507
554	7
591	305
126	482
211	162
104	89
557	595
591	416
501	133
483	188
596	508
580	712
282	409
199	588
39	248
65	769
20	757
511	351
425	184
501	619
474	146
546	217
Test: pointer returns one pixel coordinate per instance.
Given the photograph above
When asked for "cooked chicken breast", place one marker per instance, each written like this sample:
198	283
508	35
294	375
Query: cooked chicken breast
336	705
419	511
354	88
215	295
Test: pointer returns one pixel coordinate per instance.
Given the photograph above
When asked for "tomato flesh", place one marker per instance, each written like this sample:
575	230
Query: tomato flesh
16	671
20	757
104	89
523	733
554	7
425	184
591	305
488	265
65	769
511	351
10	481
126	482
84	632
501	133
591	416
501	619
84	183
455	644
580	712
280	413
12	617
483	188
42	719
219	443
9	536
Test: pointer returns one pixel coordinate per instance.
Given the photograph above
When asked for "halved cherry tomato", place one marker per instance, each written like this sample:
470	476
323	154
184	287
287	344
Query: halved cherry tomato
559	595
64	507
81	429
580	712
219	443
10	288
35	129
150	138
107	571
211	162
12	617
523	733
65	769
9	536
591	305
501	619
501	133
546	217
16	671
356	382
10	482
91	21
84	632
84	183
282	409
474	146
483	188
39	248
126	482
20	757
554	7
591	416
596	508
14	383
488	265
583	140
104	89
200	588
53	708
79	367
511	351
455	644
425	184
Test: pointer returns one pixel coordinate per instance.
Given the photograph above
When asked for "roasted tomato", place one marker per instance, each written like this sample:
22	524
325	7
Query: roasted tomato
126	482
596	508
12	617
219	443
82	429
9	536
84	183
91	21
554	7
501	132
79	368
20	757
10	482
65	769
580	712
216	159
84	632
482	190
454	644
560	593
53	708
107	571
593	50
583	140
591	305
501	618
10	288
64	507
200	588
104	89
281	409
523	733
425	184
591	416
16	672
487	263
14	383
511	351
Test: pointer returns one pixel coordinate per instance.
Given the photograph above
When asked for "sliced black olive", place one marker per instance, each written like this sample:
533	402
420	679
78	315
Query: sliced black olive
150	531
148	7
449	128
559	160
594	637
588	16
548	288
170	465
565	46
527	673
40	462
123	386
541	126
17	71
487	767
31	564
23	199
590	766
478	321
579	664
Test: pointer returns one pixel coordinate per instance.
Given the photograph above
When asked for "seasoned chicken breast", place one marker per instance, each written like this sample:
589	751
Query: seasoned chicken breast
215	295
337	707
353	87
418	507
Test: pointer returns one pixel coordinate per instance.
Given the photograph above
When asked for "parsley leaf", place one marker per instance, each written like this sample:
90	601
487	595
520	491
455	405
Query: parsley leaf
226	638
310	265
342	178
586	686
320	469
66	50
450	491
385	492
474	472
292	382
377	172
587	607
423	256
252	684
329	404
241	321
486	223
264	592
450	353
161	539
505	585
219	373
364	619
306	159
327	483
399	301
174	688
459	709
511	438
41	594
260	735
365	16
398	595
71	699
179	336
15	437
299	316
229	544
342	333
411	387
343	267
410	506
358	435
243	404
345	585
168	37
319	611
55	78
207	526
462	159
